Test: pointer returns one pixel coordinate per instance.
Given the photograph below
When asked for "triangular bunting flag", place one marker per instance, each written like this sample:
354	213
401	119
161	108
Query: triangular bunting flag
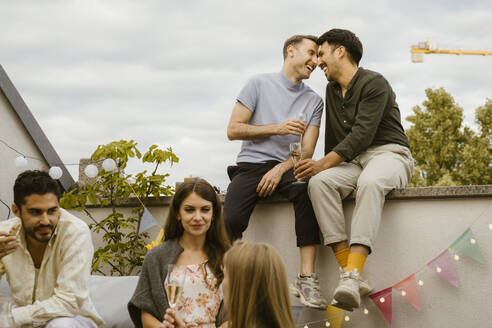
335	316
408	289
443	266
383	300
147	221
467	245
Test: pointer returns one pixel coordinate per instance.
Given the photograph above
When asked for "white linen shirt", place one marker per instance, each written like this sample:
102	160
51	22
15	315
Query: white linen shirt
62	288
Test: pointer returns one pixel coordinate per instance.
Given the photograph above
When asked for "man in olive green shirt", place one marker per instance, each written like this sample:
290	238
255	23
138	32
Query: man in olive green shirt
366	151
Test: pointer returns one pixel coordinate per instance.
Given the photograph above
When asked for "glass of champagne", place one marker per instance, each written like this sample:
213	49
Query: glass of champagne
174	283
301	117
295	155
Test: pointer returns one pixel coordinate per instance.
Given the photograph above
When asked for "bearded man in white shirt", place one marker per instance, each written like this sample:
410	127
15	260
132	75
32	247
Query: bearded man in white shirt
46	253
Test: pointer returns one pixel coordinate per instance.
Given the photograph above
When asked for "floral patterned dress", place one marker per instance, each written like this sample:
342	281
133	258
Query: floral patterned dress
200	300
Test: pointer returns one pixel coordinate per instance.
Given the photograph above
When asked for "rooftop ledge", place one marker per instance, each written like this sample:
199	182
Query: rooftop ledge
397	194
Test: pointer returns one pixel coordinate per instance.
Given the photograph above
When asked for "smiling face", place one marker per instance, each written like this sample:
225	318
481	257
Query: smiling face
328	56
39	215
196	215
304	58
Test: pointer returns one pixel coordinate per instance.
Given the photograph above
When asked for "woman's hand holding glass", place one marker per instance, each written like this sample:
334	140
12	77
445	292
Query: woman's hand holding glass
173	320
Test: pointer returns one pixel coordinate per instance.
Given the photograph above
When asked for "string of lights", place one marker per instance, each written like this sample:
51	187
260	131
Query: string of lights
55	171
381	298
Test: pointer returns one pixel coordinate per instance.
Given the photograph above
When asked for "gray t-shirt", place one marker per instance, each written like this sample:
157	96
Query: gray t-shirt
273	99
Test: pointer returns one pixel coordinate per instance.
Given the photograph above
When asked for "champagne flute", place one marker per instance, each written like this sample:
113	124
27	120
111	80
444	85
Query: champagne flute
301	117
295	155
174	283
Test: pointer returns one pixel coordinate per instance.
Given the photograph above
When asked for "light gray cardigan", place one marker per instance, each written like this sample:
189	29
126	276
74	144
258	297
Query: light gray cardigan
149	294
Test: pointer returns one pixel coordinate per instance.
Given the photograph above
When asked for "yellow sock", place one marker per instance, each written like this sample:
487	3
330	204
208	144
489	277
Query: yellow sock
355	261
342	257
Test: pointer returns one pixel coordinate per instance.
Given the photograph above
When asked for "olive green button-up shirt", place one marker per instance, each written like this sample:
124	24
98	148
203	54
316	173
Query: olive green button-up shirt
367	116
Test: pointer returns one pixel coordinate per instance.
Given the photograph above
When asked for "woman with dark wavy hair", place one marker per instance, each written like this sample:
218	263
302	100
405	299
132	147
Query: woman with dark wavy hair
195	240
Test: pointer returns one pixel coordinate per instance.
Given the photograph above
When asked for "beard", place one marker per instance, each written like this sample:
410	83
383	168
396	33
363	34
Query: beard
42	238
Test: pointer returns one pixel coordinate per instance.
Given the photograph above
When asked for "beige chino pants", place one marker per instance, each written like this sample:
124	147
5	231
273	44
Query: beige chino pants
372	174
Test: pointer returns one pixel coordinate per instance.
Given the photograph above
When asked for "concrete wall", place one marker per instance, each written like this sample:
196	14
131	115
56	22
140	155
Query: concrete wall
12	131
412	233
417	225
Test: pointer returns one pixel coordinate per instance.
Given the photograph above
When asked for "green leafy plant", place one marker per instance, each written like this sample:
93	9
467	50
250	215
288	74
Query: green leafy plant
445	151
124	249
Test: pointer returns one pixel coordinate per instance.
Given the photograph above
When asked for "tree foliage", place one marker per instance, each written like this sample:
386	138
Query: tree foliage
124	245
446	152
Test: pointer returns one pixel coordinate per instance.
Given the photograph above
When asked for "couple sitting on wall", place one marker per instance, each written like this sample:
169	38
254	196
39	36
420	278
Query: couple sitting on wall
366	152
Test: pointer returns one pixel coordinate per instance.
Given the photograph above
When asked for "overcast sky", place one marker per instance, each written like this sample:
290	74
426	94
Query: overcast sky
168	72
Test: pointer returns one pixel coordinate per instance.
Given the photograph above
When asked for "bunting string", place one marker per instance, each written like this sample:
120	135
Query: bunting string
466	244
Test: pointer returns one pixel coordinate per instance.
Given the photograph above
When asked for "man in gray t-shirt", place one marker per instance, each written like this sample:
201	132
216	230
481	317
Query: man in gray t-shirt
265	117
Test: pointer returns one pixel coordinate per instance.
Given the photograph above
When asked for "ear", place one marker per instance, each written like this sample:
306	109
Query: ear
16	210
341	52
290	50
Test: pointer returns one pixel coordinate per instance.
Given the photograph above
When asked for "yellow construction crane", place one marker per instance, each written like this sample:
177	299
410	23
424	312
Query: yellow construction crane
422	48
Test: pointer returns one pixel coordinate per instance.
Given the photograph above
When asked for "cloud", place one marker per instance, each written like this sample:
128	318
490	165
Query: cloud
167	71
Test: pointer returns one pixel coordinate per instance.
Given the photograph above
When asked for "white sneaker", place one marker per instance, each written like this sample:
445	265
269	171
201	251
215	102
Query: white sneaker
307	289
347	291
364	287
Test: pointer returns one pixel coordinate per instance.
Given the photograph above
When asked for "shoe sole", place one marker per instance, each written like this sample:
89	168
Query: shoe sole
303	301
344	296
342	306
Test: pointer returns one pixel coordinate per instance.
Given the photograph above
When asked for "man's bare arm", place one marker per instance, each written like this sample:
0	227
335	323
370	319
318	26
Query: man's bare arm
271	179
240	129
309	140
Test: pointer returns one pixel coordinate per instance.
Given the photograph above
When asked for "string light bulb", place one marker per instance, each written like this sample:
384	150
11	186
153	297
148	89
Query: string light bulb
327	324
20	162
473	241
403	293
306	326
55	172
381	300
91	171
438	269
366	311
490	226
347	318
421	283
109	165
456	257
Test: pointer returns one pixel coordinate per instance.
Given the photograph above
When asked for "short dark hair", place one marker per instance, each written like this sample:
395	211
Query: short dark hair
34	182
296	39
339	37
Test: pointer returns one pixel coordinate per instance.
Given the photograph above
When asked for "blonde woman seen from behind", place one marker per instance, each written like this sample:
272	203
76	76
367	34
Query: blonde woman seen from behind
255	287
